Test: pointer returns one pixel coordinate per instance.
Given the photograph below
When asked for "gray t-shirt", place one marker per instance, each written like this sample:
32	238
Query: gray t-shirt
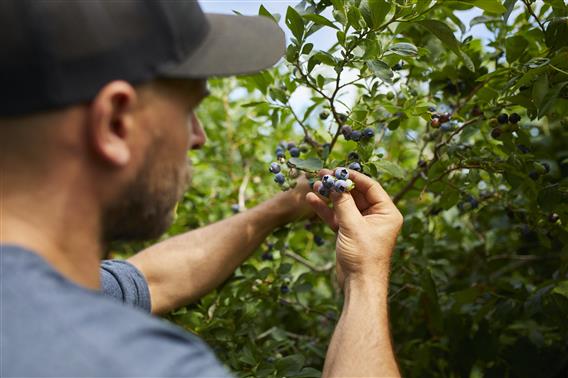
51	327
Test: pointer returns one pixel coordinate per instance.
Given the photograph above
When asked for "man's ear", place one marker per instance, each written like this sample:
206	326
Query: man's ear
111	122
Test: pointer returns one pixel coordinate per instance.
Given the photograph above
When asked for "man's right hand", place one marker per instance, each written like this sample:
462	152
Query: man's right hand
367	223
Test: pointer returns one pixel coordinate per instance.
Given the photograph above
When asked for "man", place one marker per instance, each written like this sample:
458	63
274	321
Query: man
96	117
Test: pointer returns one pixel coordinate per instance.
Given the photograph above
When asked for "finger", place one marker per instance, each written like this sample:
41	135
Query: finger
346	211
322	210
371	189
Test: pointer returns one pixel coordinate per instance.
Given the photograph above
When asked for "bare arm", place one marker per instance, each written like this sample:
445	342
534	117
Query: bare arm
182	269
367	224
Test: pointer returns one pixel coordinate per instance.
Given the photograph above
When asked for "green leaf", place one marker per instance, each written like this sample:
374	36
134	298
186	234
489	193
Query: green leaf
391	168
404	49
262	11
319	20
381	70
445	34
310	164
354	16
307	372
491	6
514	47
290	365
295	23
378	10
561	289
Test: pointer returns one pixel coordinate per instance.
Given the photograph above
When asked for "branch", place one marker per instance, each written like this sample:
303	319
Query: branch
422	170
529	9
307	136
307	263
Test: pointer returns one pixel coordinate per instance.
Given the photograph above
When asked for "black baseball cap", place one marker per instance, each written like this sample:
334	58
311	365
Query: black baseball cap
61	52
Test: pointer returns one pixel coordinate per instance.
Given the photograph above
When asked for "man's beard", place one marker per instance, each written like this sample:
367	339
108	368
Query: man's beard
144	210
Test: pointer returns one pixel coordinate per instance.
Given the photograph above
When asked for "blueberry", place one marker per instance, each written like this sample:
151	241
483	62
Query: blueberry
524	149
295	152
323	191
342	173
534	175
274	167
350	184
290	145
235	208
431	109
445	117
267	256
284	289
514	118
446	127
435	122
341	186
355	166
503	118
324	115
496	133
346	131
355	135
353	156
342	117
279	178
422	163
368	133
328	181
473	202
319	240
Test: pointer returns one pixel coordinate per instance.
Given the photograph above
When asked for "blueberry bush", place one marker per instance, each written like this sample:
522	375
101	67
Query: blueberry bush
469	136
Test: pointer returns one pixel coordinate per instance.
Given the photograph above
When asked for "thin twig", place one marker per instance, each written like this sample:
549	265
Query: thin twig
307	263
307	136
529	9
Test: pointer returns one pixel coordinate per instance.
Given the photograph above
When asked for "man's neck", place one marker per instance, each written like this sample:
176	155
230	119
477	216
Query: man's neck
60	228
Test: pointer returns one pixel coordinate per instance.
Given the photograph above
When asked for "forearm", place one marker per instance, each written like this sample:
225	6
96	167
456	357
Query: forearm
182	269
361	344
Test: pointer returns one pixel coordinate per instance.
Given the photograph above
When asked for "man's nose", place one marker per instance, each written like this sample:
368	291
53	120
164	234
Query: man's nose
197	137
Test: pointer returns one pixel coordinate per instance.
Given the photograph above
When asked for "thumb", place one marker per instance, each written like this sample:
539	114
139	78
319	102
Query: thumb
346	211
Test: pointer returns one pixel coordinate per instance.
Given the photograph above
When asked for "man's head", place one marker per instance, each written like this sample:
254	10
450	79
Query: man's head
99	96
127	148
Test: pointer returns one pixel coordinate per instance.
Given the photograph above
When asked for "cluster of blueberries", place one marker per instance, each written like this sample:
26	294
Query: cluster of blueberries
357	135
339	182
503	123
443	121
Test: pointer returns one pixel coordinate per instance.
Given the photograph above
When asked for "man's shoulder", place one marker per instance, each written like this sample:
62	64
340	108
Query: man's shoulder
66	330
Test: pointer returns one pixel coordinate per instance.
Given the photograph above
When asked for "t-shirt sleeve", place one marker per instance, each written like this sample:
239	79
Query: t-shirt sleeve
121	280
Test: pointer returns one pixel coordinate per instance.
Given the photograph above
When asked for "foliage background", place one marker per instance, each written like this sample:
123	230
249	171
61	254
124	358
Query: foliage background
479	281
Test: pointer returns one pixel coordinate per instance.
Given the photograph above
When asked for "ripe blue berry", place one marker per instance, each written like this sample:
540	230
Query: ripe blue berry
235	208
290	145
368	133
267	256
341	186
294	152
355	135
342	173
446	127
524	149
355	166
514	118
274	167
503	118
284	289
346	131
353	156
328	181
323	191
279	178
319	240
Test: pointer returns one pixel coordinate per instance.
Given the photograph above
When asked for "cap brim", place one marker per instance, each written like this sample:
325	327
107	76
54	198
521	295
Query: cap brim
234	45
